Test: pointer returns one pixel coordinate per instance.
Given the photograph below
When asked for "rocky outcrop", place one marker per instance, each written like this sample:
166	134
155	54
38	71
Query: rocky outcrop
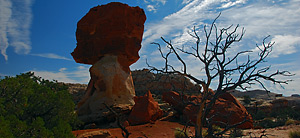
114	29
145	80
109	38
145	110
77	91
92	134
227	109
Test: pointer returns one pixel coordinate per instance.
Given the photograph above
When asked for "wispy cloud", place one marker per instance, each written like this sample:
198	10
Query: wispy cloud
152	5
229	3
151	8
284	44
15	21
51	55
77	75
280	19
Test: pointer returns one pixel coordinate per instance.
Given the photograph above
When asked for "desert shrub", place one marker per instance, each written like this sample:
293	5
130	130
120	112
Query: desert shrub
259	115
236	133
247	99
286	113
216	128
204	133
267	123
179	133
294	134
33	107
290	122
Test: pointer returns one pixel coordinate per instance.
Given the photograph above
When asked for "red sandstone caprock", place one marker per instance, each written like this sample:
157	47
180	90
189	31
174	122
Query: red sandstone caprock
105	31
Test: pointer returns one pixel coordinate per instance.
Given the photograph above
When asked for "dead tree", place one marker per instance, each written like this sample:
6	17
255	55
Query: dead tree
218	65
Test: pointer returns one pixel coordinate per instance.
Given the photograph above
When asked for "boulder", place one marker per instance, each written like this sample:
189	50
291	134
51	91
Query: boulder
231	111
145	110
227	109
114	29
175	99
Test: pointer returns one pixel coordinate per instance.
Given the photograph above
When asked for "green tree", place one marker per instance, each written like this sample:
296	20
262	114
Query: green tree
33	107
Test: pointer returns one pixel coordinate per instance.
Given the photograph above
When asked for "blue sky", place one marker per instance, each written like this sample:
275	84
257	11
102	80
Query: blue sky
39	35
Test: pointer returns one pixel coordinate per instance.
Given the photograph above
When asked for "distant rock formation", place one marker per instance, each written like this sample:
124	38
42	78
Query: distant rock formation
109	38
145	80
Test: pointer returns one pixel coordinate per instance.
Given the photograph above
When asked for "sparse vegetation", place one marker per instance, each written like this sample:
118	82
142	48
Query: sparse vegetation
247	99
276	118
294	134
236	133
290	122
180	133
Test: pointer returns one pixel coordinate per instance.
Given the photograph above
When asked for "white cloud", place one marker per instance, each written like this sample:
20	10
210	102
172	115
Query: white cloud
262	19
154	4
51	55
186	1
229	3
285	44
79	75
5	15
15	21
151	8
161	1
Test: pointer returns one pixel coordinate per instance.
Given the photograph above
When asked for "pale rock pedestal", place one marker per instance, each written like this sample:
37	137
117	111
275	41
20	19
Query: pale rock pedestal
109	84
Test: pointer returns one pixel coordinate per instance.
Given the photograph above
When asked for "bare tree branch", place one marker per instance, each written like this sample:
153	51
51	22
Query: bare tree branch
217	65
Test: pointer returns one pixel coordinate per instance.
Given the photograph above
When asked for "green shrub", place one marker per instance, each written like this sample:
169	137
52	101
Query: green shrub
33	107
179	133
294	134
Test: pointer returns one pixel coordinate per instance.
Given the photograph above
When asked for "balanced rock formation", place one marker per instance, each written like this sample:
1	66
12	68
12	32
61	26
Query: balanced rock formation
227	109
115	29
145	110
109	38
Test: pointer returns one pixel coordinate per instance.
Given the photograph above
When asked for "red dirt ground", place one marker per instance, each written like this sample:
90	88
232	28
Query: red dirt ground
166	129
161	129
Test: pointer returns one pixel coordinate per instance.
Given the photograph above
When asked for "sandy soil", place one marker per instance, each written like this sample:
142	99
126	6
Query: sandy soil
278	132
